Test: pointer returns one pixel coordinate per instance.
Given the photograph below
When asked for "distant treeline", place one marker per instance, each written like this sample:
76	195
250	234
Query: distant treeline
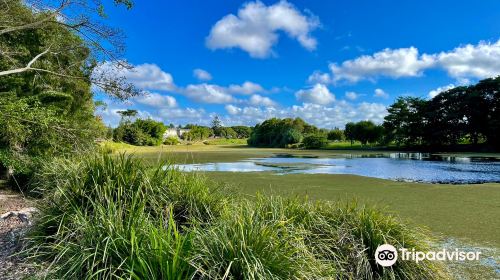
464	114
148	132
461	115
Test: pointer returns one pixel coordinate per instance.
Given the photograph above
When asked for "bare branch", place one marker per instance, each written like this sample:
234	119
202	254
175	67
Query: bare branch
28	66
36	24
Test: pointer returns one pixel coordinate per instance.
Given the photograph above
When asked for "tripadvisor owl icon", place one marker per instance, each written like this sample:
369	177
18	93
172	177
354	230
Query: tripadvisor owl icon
386	255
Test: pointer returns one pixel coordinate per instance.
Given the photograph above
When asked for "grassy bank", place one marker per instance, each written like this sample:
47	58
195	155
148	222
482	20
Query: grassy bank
117	218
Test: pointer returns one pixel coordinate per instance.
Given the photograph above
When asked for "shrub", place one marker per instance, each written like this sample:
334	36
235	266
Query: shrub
171	141
116	218
140	133
279	238
336	135
113	218
246	244
314	141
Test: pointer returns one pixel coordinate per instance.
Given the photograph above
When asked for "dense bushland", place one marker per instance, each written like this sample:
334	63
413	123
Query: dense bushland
110	218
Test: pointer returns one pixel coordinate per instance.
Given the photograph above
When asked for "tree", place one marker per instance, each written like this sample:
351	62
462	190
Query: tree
242	131
141	132
228	133
197	133
315	141
292	136
364	131
349	132
38	39
336	134
126	115
153	129
216	125
405	123
280	132
489	90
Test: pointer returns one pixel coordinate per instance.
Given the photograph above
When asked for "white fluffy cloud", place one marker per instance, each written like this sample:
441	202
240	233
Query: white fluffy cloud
258	100
206	93
351	95
437	91
318	94
144	76
319	77
475	61
394	63
255	28
183	115
211	93
245	88
469	61
157	100
232	110
380	93
202	75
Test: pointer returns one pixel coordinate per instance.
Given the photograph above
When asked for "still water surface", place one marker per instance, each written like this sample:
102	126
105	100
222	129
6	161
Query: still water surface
417	167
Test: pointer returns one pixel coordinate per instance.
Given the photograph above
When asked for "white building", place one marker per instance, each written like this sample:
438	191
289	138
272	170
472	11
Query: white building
174	132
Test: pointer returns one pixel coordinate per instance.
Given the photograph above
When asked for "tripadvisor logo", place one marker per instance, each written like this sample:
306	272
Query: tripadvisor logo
387	255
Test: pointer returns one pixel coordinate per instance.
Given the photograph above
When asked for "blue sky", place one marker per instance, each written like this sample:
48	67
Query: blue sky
329	62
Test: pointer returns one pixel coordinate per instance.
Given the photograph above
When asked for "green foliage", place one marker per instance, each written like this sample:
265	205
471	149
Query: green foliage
336	134
33	131
113	218
314	141
293	136
171	141
227	133
197	133
140	133
280	132
252	243
242	131
216	126
461	113
403	124
43	115
153	129
364	132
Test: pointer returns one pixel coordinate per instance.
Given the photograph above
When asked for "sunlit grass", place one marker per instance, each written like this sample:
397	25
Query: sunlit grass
109	217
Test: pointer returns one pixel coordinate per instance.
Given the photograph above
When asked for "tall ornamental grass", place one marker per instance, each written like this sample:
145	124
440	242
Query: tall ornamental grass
109	217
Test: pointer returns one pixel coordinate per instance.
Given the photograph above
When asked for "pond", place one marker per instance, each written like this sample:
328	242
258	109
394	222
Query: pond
416	167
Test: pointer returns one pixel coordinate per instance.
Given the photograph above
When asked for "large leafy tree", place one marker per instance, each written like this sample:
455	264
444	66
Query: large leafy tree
281	132
47	59
405	122
62	40
467	114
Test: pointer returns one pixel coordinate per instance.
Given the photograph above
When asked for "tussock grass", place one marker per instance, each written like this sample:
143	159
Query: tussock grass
116	218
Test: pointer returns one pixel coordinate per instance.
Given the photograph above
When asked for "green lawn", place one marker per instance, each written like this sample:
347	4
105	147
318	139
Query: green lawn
467	212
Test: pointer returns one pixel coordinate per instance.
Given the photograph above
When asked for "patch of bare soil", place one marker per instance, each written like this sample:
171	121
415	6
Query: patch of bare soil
15	219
